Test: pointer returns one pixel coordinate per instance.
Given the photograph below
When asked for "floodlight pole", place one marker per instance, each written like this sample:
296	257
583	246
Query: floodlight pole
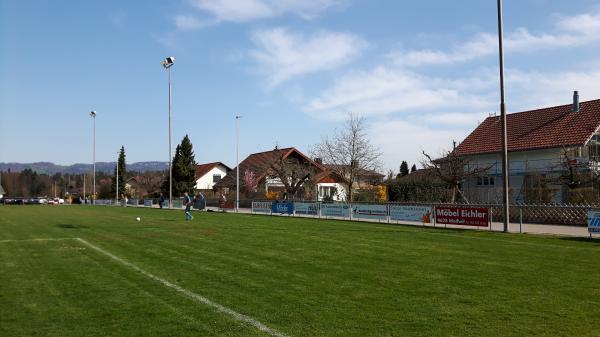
505	199
117	185
237	159
93	115
167	64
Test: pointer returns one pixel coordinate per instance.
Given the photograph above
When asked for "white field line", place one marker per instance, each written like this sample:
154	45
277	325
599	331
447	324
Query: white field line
37	239
199	298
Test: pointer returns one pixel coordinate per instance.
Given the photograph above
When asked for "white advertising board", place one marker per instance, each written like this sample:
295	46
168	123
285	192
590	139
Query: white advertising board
261	207
337	210
306	208
411	213
369	211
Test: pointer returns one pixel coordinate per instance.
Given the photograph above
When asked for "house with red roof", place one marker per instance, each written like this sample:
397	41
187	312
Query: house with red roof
207	175
539	143
327	184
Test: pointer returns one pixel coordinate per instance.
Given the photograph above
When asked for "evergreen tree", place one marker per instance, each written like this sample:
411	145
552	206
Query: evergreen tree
122	174
413	168
404	168
184	168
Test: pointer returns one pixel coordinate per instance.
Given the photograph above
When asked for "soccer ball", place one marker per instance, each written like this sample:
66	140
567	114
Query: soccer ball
138	218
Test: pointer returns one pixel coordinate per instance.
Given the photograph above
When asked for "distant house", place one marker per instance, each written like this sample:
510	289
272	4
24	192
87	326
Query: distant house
331	187
207	175
539	142
327	184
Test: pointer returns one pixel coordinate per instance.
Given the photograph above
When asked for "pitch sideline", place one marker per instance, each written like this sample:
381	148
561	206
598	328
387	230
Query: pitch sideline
198	298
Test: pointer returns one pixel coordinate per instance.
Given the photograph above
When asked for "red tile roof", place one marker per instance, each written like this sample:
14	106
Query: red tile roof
203	169
536	129
259	163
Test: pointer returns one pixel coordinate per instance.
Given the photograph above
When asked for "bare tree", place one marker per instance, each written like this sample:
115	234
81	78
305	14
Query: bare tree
349	152
576	174
294	173
453	170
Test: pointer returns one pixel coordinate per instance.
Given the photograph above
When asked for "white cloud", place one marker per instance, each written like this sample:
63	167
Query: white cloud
531	90
570	31
386	90
403	140
250	10
281	54
189	22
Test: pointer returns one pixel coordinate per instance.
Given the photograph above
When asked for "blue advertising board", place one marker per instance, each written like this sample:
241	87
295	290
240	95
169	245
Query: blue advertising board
369	211
148	202
261	206
282	207
411	213
306	208
337	210
593	222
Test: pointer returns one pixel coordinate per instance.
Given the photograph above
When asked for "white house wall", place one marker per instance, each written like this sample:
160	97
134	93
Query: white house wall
521	164
206	181
341	191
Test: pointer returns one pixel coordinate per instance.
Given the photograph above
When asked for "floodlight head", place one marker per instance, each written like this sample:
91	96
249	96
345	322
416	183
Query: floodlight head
168	62
93	114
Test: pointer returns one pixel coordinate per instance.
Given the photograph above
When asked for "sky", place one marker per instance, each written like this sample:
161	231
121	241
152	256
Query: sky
421	73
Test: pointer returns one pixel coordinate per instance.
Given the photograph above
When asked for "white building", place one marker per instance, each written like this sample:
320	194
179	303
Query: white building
207	175
543	145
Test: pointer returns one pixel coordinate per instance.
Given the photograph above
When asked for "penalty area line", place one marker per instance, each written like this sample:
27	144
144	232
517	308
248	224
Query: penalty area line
196	297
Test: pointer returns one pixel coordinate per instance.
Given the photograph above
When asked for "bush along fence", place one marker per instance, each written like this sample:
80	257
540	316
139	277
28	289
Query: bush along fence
437	214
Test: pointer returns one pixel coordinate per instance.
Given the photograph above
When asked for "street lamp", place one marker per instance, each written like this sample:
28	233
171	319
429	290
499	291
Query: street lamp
237	159
167	64
93	115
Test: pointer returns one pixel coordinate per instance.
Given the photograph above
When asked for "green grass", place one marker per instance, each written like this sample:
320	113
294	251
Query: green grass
303	277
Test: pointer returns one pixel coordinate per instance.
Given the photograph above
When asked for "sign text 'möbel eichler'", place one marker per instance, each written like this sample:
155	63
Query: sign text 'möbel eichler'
465	216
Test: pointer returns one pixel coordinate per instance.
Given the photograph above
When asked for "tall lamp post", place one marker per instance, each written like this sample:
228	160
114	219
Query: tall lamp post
117	185
93	115
505	201
237	159
167	64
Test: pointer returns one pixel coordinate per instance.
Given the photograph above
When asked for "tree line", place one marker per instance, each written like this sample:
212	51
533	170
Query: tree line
30	184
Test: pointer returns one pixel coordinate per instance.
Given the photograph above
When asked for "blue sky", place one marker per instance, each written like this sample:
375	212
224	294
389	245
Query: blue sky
422	73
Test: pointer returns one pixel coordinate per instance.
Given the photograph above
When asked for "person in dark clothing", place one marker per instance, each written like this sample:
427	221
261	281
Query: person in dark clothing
188	206
161	200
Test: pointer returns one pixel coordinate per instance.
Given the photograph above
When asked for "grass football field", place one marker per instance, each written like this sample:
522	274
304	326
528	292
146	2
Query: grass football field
248	275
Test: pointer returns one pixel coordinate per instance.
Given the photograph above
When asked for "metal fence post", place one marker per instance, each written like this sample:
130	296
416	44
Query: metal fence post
491	217
520	219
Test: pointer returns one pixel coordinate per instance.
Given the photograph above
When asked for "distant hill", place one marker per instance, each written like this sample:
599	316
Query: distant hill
51	168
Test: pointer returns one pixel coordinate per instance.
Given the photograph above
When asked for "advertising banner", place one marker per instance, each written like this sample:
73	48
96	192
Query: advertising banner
338	210
411	213
464	216
282	207
306	208
366	211
593	222
148	202
261	206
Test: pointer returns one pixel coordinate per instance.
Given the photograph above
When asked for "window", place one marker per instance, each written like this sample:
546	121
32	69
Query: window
216	178
594	148
485	181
